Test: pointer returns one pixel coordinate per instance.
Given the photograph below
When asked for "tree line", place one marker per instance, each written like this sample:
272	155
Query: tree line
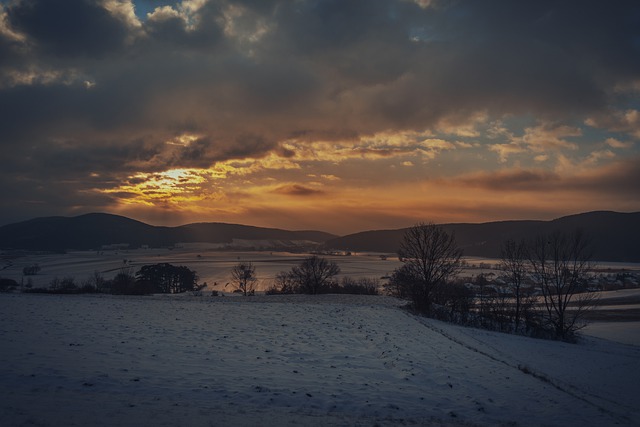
314	275
545	282
150	279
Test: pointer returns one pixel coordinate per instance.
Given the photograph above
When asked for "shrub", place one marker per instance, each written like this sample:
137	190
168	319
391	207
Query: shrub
166	278
66	285
8	285
362	286
31	270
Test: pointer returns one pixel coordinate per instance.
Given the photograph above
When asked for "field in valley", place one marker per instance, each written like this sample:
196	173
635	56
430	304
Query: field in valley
212	266
618	317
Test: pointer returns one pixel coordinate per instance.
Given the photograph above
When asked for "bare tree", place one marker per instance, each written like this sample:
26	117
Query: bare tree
283	283
431	258
513	262
314	274
560	263
243	277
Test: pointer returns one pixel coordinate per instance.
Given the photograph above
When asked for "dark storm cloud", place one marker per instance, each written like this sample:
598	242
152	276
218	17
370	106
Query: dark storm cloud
68	28
618	178
331	66
545	57
314	27
76	161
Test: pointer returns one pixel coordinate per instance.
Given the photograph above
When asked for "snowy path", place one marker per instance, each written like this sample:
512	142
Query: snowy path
330	360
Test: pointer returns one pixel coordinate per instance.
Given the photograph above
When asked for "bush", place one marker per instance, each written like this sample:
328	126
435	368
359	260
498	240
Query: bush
284	284
66	285
8	285
272	290
125	283
165	278
31	270
458	299
362	286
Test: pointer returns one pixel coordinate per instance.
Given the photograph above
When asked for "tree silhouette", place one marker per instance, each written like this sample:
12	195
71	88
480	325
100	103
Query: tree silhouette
559	264
243	277
513	262
431	257
314	274
167	278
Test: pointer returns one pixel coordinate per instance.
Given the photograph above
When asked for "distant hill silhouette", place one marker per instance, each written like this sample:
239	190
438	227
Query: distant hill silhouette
92	231
615	236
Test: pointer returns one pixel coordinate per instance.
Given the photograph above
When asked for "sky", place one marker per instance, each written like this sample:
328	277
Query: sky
335	115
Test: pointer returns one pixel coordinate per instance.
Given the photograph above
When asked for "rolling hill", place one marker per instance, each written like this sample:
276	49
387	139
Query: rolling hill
92	231
615	236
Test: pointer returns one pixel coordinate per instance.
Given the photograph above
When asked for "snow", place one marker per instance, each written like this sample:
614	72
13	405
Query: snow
212	266
292	360
622	332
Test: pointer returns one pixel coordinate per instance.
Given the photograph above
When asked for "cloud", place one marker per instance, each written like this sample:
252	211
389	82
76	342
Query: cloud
548	136
601	181
86	86
71	28
542	138
529	180
615	143
597	156
626	121
297	190
619	178
506	150
385	145
124	10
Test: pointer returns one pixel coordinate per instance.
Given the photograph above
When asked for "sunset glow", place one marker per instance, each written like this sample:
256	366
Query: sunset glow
338	116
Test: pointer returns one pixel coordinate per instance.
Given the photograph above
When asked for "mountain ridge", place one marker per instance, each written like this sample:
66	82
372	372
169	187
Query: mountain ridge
95	230
615	235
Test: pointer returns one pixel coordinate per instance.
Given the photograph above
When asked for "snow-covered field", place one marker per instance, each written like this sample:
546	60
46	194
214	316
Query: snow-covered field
212	266
98	360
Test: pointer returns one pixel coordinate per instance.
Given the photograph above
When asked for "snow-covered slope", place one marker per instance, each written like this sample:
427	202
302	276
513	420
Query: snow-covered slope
292	360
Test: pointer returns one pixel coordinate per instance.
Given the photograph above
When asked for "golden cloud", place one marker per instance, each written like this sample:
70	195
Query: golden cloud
297	190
